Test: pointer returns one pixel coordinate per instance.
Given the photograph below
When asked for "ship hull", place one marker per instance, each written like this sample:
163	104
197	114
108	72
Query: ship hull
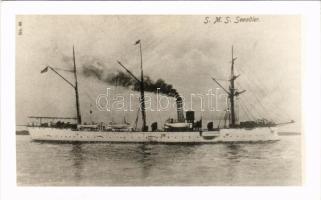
223	135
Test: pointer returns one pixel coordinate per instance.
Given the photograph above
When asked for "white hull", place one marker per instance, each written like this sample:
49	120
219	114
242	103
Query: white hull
223	135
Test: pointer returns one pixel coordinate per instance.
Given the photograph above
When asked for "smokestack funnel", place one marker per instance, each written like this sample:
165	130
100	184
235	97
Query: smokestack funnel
180	110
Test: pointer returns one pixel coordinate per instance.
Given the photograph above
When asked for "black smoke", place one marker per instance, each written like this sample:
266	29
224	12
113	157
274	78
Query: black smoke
120	78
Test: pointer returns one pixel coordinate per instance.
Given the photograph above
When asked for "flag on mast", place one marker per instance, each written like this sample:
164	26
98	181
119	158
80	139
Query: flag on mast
137	42
44	70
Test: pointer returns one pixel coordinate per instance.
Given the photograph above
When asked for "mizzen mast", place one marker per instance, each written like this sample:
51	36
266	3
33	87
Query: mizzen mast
76	87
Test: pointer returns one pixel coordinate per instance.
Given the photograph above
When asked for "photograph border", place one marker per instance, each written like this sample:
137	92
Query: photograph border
310	15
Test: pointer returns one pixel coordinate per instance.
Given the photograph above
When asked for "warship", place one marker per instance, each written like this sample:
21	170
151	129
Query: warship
184	129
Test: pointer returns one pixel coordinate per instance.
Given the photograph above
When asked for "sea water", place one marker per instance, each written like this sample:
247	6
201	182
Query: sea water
110	164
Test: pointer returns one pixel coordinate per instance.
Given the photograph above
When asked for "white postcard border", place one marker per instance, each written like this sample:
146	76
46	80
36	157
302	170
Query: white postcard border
310	12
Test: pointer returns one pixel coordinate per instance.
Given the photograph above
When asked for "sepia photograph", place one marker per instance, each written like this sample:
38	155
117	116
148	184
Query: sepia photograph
158	100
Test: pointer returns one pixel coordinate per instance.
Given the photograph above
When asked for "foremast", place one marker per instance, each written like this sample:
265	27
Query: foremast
232	92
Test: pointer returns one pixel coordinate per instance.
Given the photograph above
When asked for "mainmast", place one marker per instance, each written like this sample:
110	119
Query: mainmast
76	87
142	88
141	84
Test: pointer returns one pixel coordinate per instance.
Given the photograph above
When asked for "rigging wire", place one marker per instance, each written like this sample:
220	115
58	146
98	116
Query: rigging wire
262	107
65	70
257	98
262	110
263	94
245	114
246	111
259	86
136	120
258	101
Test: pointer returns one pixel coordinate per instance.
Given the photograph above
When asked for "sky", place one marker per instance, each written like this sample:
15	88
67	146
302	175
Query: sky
182	50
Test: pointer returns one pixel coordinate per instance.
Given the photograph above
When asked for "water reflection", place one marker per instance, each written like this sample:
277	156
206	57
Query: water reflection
146	161
139	162
234	152
76	155
156	155
105	164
